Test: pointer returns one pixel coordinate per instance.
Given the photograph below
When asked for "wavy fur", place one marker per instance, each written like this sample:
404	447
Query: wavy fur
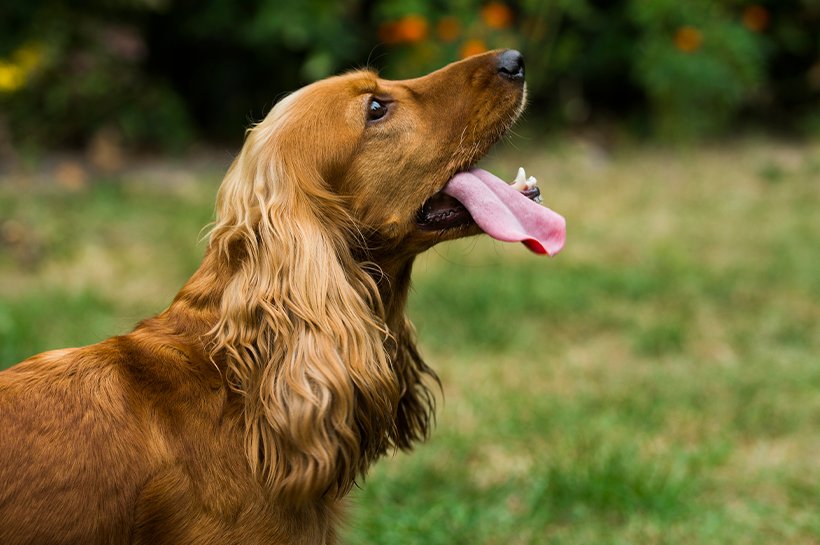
302	327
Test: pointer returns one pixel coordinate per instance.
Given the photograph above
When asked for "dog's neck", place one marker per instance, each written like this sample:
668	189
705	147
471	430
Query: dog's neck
393	280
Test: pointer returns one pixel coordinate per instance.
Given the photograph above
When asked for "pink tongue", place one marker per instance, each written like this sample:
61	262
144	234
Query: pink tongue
505	214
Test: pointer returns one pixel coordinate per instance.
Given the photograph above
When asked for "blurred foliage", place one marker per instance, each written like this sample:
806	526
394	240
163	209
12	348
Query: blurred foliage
699	79
160	72
85	71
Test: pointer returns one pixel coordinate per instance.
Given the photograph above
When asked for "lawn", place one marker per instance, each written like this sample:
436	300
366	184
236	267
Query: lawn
657	382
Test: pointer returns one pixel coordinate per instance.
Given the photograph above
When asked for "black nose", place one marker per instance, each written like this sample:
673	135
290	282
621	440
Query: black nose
511	65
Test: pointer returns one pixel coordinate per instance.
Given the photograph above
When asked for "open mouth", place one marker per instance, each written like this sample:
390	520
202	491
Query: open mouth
510	213
441	211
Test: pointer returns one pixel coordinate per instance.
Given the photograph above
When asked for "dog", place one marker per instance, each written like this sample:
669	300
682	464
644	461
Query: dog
285	366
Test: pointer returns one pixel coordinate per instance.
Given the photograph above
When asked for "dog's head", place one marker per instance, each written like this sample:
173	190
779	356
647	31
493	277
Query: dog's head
384	150
344	179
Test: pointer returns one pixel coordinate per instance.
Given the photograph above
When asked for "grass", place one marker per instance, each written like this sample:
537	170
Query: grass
657	382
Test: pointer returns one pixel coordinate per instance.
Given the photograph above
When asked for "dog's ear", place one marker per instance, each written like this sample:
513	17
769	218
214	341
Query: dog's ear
301	325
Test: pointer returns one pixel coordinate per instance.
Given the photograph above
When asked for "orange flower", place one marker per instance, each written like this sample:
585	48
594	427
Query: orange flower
448	29
472	47
496	15
755	18
413	28
408	29
688	39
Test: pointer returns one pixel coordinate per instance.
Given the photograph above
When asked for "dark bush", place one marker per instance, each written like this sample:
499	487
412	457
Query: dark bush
161	72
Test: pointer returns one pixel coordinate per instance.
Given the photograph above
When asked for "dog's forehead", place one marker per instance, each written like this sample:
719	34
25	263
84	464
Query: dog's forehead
368	82
356	86
357	82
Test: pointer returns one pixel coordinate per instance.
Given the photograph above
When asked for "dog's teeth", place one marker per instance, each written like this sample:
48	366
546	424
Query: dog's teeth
521	176
531	182
538	199
520	182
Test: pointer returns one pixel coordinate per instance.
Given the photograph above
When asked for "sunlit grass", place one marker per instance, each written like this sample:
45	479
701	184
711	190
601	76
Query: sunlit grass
657	382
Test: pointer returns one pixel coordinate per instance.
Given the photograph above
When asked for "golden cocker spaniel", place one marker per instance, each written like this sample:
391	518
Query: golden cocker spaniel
285	366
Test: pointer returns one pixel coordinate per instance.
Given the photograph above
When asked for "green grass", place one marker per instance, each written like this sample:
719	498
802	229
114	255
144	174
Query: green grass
77	267
657	382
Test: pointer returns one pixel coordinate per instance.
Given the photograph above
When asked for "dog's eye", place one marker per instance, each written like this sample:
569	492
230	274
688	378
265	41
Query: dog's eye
376	109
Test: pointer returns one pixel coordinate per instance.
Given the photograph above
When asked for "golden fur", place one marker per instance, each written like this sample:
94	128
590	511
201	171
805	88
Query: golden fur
285	366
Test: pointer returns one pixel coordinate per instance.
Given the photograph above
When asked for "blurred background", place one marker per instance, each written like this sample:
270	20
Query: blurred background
657	382
163	74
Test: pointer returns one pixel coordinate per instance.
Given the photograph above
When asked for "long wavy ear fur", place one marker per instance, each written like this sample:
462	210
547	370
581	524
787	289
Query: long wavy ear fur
302	327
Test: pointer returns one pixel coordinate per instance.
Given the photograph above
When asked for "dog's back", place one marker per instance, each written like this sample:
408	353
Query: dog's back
132	440
68	465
